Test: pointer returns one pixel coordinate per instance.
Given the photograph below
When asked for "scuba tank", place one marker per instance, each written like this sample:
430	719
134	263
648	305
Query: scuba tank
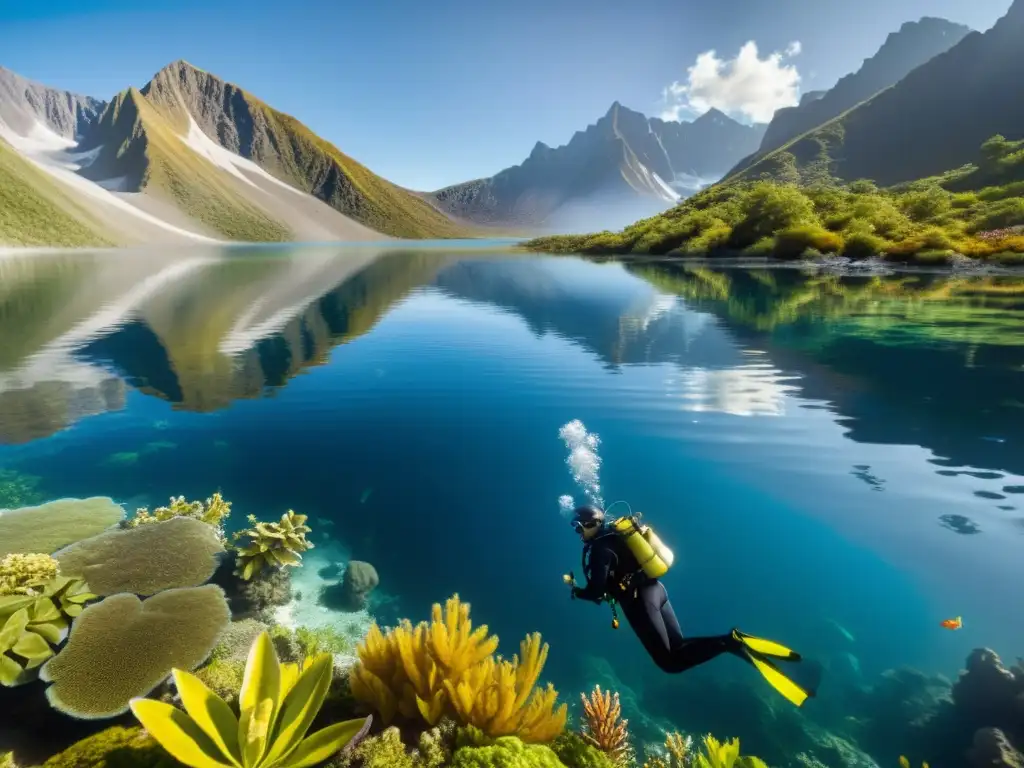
650	551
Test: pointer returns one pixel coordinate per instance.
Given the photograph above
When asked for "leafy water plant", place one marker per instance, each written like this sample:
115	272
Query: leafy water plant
123	647
604	727
724	754
271	545
180	552
36	607
214	511
277	705
445	667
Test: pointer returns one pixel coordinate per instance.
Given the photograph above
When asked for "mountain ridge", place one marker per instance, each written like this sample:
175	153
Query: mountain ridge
931	121
623	161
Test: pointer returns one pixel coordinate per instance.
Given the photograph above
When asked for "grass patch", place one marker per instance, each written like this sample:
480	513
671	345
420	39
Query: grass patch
35	211
929	220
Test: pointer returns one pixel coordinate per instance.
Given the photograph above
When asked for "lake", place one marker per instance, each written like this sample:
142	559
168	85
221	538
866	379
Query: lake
837	461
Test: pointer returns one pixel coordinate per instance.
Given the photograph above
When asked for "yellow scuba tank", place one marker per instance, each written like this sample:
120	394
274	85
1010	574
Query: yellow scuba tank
654	557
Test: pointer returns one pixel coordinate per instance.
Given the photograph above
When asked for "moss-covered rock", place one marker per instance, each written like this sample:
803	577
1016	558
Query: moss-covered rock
48	527
506	752
124	647
116	747
180	552
574	752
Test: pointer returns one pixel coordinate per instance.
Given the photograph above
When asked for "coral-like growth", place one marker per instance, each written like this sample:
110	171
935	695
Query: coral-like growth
18	490
445	667
115	747
25	574
604	726
678	753
214	511
277	705
124	647
180	552
272	545
50	526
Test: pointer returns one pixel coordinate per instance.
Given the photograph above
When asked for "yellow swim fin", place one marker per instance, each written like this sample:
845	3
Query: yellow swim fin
766	647
757	650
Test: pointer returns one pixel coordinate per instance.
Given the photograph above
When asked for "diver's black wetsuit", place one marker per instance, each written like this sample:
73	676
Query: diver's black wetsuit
607	563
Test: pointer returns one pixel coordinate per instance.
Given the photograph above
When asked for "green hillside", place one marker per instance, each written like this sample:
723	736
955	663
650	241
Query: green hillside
977	210
34	210
284	147
142	146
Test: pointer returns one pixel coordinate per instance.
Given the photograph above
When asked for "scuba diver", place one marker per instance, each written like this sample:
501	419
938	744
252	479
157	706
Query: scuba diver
622	563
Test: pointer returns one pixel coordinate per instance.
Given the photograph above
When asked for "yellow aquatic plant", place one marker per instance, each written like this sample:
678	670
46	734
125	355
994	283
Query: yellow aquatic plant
277	704
905	763
446	667
725	754
272	545
604	727
214	511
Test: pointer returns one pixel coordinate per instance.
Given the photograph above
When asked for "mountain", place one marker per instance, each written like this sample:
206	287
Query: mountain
623	167
904	50
932	120
24	103
189	157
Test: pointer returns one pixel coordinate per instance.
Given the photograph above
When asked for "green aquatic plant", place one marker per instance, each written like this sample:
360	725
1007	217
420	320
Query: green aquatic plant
18	489
316	640
271	545
575	752
122	648
36	608
115	747
55	524
277	704
476	750
724	754
214	511
179	552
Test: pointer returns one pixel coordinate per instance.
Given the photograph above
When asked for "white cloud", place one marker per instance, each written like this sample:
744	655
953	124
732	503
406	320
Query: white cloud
747	86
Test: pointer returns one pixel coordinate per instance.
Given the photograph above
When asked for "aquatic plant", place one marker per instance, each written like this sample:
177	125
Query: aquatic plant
575	752
123	647
271	545
48	527
7	760
180	552
476	750
214	511
445	667
277	705
36	607
678	752
18	489
604	727
905	763
115	747
316	640
724	754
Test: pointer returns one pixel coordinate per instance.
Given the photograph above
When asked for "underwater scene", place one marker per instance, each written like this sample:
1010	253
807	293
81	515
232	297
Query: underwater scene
278	507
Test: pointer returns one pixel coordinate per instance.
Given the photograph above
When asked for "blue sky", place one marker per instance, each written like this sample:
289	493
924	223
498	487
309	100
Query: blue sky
432	93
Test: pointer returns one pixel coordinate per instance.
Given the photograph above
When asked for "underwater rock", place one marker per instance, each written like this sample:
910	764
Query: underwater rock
115	747
180	552
991	749
124	647
987	694
256	598
352	594
55	524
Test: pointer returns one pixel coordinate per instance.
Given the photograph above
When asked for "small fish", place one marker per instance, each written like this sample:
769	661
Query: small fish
956	623
365	496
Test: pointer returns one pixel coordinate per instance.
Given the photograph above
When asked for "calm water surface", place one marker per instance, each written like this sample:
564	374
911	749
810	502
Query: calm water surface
821	452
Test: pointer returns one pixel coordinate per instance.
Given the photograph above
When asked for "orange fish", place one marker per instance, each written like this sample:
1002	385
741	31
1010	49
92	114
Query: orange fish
956	623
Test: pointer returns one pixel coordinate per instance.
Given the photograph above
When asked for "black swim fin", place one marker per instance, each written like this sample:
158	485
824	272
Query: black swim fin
760	652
